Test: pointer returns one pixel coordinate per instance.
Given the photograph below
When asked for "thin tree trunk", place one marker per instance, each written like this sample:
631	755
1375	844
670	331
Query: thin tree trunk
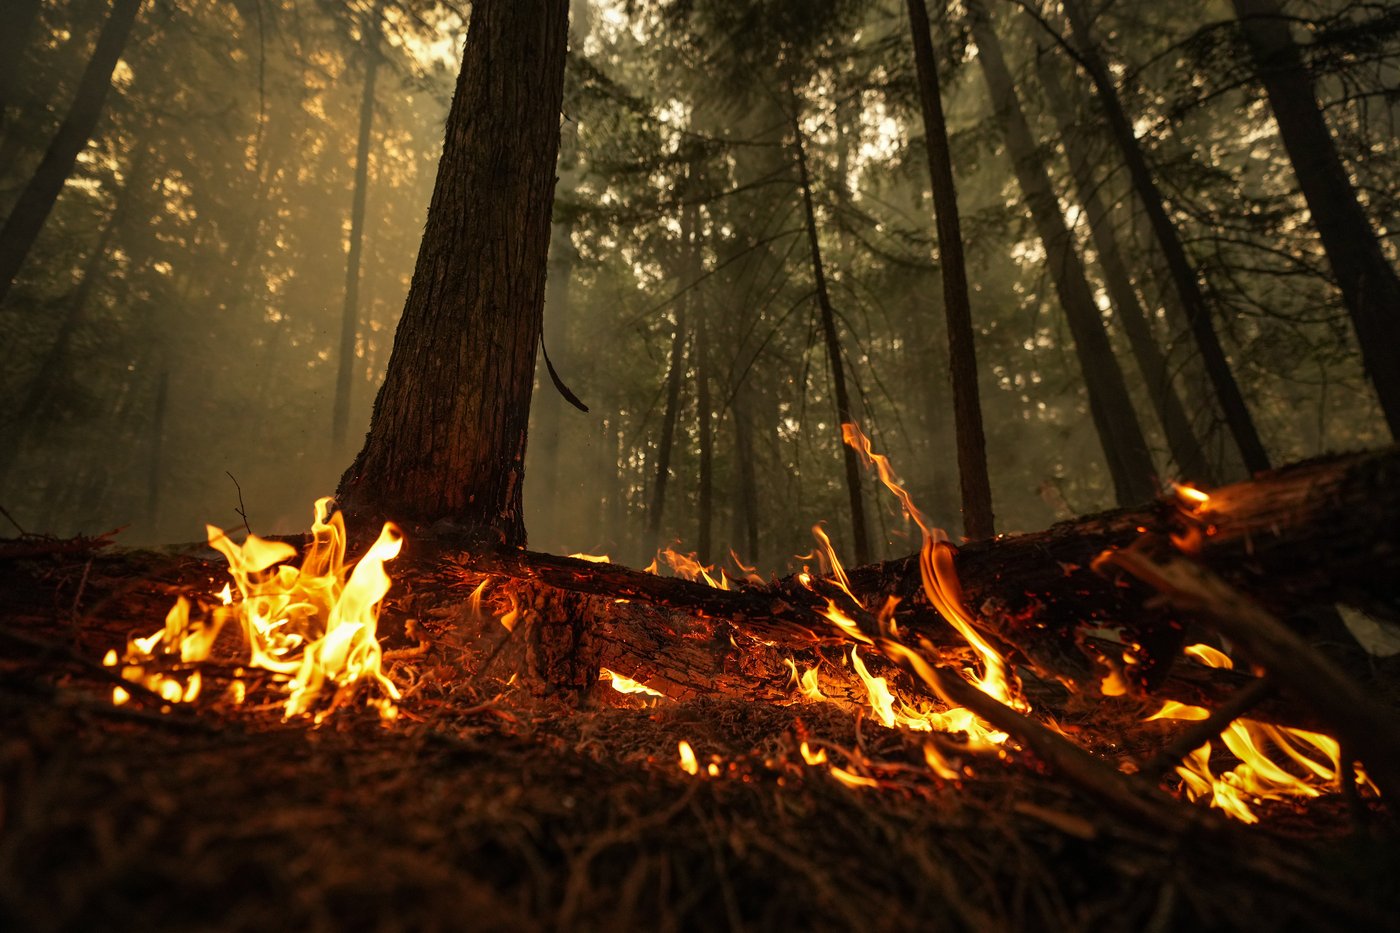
962	355
36	408
746	508
668	426
447	438
1370	287
155	468
1120	434
350	312
707	440
859	536
1176	424
27	218
1183	275
20	18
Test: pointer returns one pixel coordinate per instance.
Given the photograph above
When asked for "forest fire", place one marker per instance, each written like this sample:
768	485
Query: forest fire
314	626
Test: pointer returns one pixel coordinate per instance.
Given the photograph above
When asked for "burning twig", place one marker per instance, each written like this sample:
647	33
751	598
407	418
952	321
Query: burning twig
1208	729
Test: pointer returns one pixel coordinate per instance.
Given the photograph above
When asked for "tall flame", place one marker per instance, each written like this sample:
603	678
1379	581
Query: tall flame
315	624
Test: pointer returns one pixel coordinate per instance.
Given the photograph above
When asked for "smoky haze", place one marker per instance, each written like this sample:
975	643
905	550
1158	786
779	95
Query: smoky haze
173	337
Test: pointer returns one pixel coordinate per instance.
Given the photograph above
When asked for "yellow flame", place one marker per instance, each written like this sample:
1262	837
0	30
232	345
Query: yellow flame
813	758
315	624
688	763
851	779
938	763
593	558
687	567
512	616
1262	750
1192	497
838	572
626	684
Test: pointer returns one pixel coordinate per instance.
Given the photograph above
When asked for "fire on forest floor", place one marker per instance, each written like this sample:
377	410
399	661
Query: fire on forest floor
484	801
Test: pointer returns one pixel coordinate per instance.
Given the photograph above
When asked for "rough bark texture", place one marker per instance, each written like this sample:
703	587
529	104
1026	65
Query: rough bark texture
447	439
1183	274
350	310
859	535
1120	435
668	425
962	354
27	218
1181	437
1369	284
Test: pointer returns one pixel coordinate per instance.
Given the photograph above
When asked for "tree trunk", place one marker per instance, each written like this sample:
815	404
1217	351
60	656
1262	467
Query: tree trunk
36	409
1185	447
350	312
20	19
447	438
155	467
1183	275
668	426
746	499
27	218
859	536
1370	287
1120	435
706	499
962	354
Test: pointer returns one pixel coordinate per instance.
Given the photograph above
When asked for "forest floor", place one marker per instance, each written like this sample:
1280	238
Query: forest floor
486	806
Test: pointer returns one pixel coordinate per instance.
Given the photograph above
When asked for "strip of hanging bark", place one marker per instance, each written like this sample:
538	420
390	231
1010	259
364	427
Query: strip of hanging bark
1370	731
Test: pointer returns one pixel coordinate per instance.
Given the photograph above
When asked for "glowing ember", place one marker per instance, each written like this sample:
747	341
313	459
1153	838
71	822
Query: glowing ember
626	684
1315	759
314	625
1191	496
688	763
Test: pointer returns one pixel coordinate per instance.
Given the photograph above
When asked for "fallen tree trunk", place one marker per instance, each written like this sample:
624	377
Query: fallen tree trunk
1308	534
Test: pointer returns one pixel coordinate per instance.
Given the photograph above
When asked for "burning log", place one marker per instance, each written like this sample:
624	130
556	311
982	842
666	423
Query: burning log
1301	535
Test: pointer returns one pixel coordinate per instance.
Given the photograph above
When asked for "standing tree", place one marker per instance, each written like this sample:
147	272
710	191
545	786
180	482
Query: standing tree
350	312
1370	288
1120	435
35	202
447	437
967	405
1184	276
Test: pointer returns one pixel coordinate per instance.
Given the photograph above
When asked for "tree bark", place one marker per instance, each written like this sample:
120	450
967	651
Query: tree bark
859	535
703	409
350	311
1369	285
668	426
32	209
1183	274
447	437
1120	435
962	355
746	501
1185	447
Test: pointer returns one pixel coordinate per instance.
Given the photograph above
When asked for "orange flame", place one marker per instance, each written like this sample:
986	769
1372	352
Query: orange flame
315	624
626	684
1258	776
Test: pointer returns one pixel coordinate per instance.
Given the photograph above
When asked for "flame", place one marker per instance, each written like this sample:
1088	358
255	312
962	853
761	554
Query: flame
939	764
851	779
593	558
806	681
838	572
315	625
1190	496
512	616
687	567
626	684
688	763
813	758
1259	776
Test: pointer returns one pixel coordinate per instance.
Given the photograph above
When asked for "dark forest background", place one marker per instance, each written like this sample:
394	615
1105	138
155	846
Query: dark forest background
180	316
